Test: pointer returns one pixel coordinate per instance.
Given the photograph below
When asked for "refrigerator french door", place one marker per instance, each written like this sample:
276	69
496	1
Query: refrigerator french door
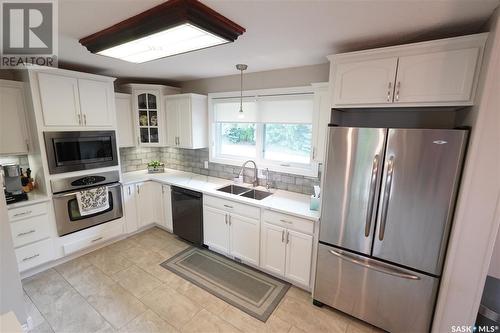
388	199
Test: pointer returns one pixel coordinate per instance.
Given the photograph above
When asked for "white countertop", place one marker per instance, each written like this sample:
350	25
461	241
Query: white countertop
282	201
33	198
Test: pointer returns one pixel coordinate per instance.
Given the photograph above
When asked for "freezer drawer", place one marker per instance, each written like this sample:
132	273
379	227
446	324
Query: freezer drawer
383	295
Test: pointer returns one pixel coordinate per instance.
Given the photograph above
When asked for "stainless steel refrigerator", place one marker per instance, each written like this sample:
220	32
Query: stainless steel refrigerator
388	200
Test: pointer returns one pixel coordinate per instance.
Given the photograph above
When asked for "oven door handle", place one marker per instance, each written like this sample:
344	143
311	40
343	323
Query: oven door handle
62	195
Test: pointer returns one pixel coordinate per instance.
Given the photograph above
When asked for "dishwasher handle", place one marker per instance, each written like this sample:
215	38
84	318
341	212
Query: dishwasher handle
180	190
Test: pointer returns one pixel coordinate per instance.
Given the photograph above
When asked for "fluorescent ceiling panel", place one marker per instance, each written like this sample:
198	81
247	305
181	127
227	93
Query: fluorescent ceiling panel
180	39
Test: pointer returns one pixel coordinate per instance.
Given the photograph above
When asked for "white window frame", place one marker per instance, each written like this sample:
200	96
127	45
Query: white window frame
310	170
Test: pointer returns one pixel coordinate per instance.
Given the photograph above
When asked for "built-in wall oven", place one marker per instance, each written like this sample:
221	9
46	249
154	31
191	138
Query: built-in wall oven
80	150
68	217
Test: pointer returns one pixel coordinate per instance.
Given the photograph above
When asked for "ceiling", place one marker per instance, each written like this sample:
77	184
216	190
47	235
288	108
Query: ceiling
279	34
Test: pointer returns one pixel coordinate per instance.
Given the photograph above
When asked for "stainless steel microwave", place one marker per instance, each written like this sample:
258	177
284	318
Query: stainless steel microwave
80	150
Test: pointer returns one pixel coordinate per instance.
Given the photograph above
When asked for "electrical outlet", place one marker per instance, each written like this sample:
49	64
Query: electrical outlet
205	164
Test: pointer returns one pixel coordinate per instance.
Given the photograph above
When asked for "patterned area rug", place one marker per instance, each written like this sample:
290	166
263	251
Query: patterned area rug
251	291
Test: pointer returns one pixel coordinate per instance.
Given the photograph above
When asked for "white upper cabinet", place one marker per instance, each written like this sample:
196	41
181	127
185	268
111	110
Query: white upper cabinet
436	73
365	82
96	102
124	124
187	121
59	99
148	116
14	137
72	99
436	77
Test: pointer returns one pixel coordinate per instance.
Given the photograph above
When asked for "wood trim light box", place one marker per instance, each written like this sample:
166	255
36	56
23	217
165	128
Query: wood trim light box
174	27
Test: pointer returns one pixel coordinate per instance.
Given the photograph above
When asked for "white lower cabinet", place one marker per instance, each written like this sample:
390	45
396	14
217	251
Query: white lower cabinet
165	219
215	229
244	238
145	193
230	232
130	208
286	252
273	249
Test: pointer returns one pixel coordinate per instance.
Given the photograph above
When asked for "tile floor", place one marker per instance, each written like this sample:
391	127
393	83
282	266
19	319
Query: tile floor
122	288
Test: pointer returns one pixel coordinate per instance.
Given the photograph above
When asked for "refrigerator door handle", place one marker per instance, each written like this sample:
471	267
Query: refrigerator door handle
378	268
387	195
371	196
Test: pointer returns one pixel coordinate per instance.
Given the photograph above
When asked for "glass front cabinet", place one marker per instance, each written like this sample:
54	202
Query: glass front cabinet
148	115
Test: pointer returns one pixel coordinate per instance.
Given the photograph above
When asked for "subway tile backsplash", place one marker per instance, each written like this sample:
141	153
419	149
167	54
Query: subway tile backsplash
191	160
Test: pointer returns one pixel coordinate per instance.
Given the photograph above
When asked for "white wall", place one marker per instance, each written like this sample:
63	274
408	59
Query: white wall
477	216
495	259
11	291
279	78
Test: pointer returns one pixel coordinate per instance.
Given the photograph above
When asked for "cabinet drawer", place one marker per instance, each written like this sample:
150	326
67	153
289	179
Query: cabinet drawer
231	206
30	230
27	211
288	221
35	254
101	235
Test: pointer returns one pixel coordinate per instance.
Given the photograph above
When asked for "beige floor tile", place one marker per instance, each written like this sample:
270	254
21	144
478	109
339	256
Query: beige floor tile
31	310
308	318
357	326
42	328
73	267
172	306
148	322
150	241
208	301
205	321
299	294
122	245
64	309
116	305
109	261
242	321
277	325
136	280
141	256
89	281
295	330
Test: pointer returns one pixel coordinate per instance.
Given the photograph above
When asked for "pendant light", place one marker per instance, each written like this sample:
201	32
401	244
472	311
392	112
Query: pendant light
241	68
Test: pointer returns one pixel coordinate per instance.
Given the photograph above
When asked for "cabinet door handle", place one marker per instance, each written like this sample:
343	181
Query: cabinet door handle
282	236
27	146
398	87
287	237
138	140
229	219
227	206
285	221
79	119
389	92
97	239
23	213
138	189
129	190
225	218
31	257
25	233
85	119
314	153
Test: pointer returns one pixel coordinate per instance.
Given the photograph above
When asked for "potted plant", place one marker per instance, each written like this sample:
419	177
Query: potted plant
156	167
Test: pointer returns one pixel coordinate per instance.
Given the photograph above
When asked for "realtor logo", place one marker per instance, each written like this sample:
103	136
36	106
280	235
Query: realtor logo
28	33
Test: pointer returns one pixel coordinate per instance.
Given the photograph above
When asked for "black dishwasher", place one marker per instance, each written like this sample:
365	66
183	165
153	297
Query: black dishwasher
187	214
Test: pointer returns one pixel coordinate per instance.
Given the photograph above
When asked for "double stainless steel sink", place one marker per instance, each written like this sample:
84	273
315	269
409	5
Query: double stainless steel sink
245	192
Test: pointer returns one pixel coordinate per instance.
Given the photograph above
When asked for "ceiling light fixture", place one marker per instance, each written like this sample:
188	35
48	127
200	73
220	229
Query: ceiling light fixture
241	68
174	27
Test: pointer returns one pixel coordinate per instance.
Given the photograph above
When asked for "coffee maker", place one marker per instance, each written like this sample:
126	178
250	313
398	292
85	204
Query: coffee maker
13	187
